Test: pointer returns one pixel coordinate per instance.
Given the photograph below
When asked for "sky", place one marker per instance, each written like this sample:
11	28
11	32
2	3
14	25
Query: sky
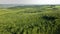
29	1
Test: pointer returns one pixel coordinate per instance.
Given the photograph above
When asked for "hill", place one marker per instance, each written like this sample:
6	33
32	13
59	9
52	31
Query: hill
37	20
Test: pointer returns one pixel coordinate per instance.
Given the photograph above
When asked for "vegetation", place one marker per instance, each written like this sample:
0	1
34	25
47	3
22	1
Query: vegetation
30	20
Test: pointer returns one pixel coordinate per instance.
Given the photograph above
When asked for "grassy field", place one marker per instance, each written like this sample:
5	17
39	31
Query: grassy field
30	20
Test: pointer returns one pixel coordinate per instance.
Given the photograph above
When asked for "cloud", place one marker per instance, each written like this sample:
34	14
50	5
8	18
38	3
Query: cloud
29	1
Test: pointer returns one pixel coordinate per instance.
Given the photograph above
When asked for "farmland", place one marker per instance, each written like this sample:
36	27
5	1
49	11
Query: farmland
30	20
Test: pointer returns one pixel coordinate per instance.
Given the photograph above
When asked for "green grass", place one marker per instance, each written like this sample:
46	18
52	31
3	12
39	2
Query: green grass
44	20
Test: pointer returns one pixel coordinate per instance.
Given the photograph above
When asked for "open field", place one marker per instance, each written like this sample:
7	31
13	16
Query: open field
30	20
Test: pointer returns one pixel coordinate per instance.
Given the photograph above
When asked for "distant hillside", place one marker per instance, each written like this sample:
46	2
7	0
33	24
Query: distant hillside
25	6
8	5
13	6
17	6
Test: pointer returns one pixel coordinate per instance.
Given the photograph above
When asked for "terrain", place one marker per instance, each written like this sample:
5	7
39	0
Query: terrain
30	20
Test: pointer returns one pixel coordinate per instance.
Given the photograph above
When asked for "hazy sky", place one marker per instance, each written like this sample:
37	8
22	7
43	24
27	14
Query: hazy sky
29	1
